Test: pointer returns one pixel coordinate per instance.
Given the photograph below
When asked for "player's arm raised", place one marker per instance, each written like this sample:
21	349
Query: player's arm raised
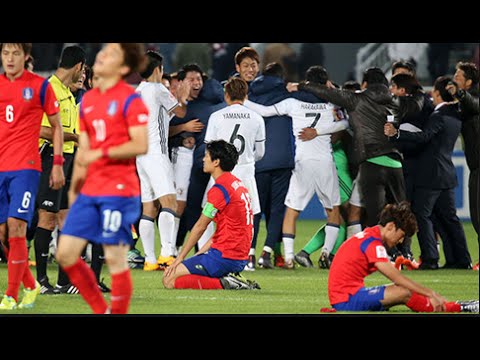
57	177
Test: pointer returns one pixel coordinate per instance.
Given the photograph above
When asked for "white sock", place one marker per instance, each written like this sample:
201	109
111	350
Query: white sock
288	241
175	232
209	231
331	234
268	249
166	227
353	229
147	235
251	252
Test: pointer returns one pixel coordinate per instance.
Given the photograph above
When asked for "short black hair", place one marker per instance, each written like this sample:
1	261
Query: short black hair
374	75
274	69
317	74
227	153
406	81
189	68
470	70
441	84
71	56
352	85
404	64
154	60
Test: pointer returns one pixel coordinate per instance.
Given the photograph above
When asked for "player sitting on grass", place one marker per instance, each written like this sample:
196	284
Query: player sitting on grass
218	263
365	253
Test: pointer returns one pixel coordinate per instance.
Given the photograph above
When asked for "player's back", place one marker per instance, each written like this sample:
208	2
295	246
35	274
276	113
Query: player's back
159	102
22	104
239	126
106	118
310	115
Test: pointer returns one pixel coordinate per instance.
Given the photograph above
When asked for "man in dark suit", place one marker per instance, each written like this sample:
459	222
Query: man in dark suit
435	180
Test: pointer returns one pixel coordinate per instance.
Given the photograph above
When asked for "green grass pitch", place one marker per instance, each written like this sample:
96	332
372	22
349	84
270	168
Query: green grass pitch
301	291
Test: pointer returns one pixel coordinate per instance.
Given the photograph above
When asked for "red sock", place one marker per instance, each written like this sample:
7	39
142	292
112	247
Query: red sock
197	282
28	279
452	307
419	303
122	289
17	262
83	278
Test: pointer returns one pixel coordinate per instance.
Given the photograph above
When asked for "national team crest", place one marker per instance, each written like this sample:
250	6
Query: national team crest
28	94
112	108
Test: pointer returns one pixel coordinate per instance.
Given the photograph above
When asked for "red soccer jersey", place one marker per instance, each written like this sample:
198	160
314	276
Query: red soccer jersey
106	119
354	261
22	104
234	218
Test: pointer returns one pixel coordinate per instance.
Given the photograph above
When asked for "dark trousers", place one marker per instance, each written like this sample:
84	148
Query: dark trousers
379	185
196	190
272	189
474	199
442	202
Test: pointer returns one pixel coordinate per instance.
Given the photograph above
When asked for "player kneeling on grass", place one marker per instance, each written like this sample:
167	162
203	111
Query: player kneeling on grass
365	253
218	264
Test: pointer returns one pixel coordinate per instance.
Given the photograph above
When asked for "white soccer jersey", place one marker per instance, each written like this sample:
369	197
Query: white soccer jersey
239	126
160	103
319	116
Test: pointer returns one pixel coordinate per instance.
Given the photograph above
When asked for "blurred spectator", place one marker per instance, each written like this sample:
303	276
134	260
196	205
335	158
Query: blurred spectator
47	55
438	57
283	54
167	50
310	54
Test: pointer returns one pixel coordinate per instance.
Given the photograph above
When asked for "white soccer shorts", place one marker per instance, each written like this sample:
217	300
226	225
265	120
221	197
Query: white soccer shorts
156	176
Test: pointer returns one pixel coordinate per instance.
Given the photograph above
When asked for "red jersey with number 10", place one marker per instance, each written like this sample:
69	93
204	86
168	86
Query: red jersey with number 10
22	104
234	219
106	118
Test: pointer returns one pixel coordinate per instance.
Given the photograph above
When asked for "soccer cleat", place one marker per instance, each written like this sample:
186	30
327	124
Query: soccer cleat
289	264
165	262
468	306
45	287
236	281
279	261
103	288
251	263
135	256
399	262
66	289
476	267
324	261
410	263
150	267
8	303
265	262
303	259
29	296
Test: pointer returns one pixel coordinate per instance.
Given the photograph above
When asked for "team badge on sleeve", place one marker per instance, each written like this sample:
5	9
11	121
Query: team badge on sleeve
381	252
28	94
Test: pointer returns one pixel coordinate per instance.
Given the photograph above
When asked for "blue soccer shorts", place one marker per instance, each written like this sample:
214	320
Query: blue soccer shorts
103	219
212	264
18	191
366	299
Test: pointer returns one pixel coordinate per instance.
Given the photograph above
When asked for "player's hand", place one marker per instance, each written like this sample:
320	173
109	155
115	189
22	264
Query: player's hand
189	142
57	178
183	91
194	125
307	134
330	85
87	157
438	302
173	268
389	129
292	87
451	88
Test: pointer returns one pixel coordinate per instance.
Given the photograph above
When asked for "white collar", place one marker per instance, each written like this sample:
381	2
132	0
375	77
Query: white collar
440	105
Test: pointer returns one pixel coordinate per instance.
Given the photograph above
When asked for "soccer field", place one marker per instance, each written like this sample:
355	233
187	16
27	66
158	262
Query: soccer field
301	291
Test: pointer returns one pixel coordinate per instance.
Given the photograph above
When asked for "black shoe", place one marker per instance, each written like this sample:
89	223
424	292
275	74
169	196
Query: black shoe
468	306
66	289
324	261
45	287
265	261
428	266
103	288
236	281
457	266
303	259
